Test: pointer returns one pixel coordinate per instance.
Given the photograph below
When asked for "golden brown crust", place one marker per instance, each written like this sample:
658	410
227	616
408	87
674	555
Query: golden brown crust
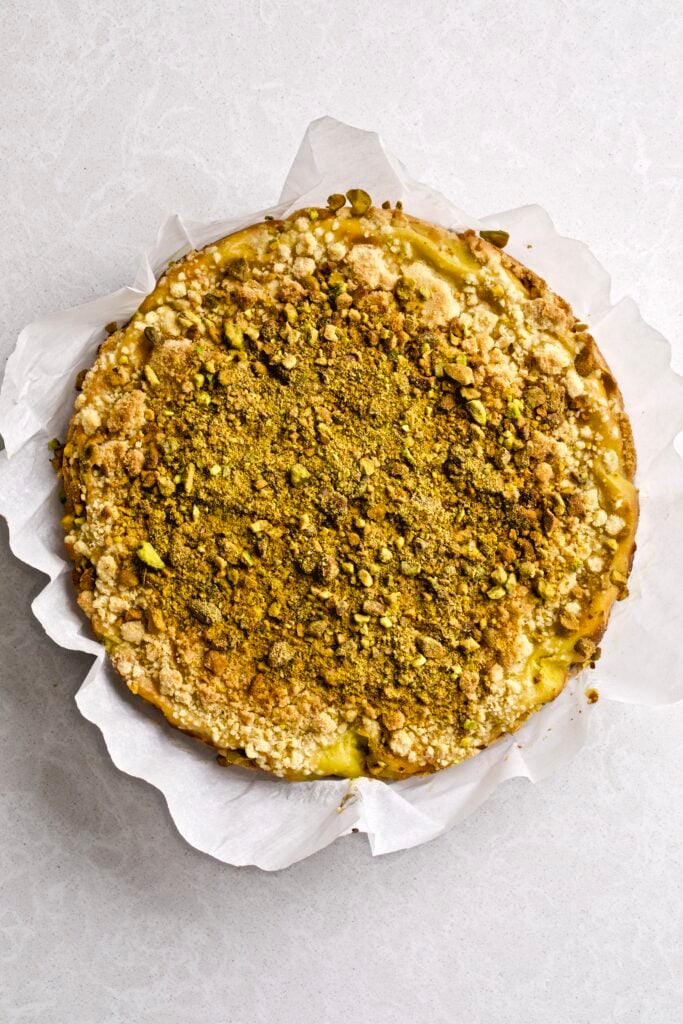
349	495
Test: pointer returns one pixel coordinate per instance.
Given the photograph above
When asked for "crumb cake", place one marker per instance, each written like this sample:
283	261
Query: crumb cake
350	494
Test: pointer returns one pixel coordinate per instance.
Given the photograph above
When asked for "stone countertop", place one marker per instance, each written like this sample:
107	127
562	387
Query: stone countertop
560	903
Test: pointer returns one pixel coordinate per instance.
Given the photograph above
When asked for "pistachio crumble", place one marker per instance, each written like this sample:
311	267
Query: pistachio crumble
350	494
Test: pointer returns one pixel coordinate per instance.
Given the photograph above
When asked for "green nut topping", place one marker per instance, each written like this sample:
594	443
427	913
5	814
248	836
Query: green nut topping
360	201
234	335
498	238
298	475
477	411
336	201
238	268
147	554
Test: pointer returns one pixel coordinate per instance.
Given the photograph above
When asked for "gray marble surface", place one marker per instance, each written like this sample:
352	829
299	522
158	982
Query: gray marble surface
561	902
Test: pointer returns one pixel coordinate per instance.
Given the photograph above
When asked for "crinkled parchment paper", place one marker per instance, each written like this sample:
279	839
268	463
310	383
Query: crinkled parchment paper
244	817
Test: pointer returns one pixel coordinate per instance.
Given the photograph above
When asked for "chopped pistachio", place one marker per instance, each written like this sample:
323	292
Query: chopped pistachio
385	621
496	593
152	334
404	289
569	621
238	268
419	662
165	485
336	201
234	335
298	475
496	237
360	201
545	590
515	408
365	578
477	411
147	554
469	724
215	470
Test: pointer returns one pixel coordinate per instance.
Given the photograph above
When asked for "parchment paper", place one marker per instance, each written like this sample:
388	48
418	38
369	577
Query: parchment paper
244	817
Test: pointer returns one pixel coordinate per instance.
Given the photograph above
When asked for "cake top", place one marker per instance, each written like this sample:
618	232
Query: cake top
350	494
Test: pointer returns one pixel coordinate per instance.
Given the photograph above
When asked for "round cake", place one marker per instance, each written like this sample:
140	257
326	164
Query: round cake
350	494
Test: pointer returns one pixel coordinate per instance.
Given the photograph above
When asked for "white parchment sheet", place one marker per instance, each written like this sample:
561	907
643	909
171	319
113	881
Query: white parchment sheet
245	817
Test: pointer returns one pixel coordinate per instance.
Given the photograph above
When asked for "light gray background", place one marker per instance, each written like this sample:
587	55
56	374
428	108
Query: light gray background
555	904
